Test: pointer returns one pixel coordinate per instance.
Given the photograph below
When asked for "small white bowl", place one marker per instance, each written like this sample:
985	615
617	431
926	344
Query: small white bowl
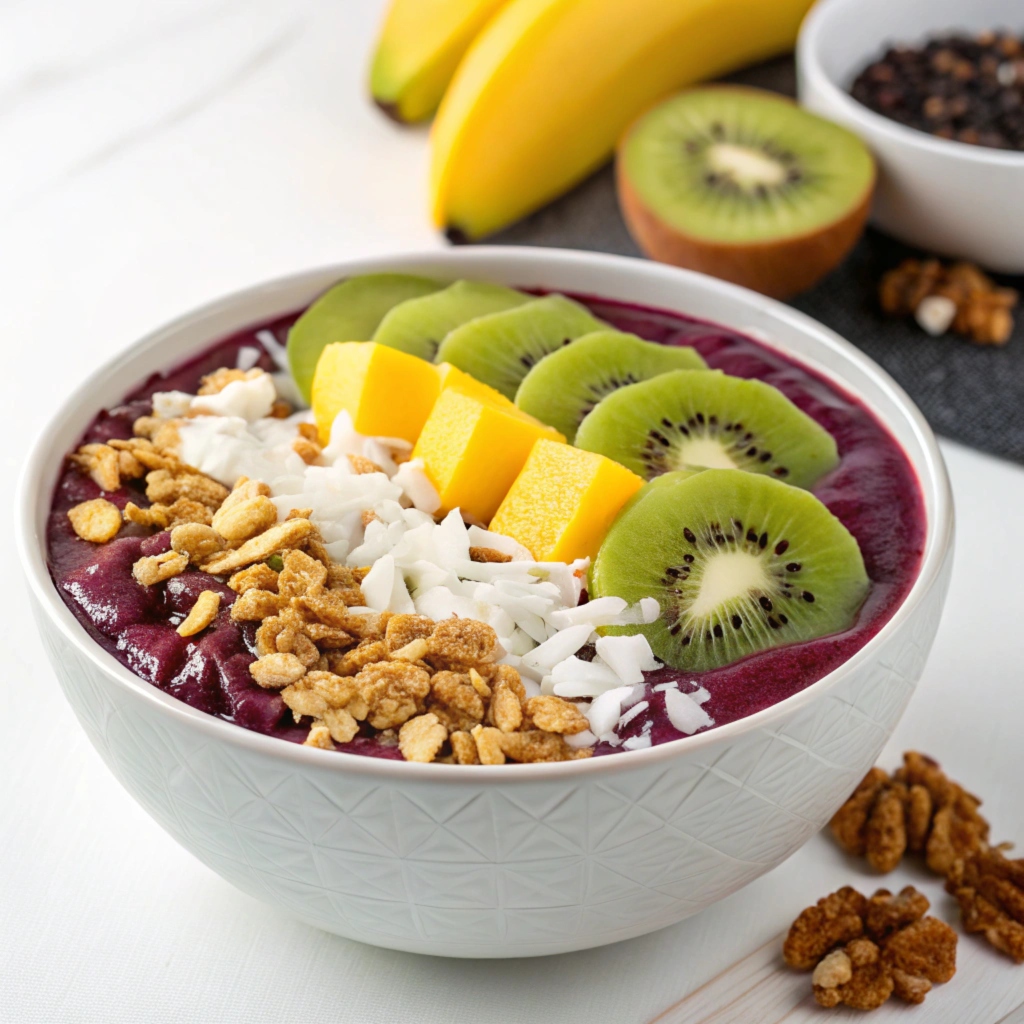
944	197
512	860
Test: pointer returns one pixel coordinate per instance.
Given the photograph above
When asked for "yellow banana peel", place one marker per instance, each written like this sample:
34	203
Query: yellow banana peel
548	86
421	44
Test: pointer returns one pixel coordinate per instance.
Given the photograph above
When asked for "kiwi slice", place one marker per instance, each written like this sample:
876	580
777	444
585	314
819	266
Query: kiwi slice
418	326
745	185
738	562
708	419
350	311
502	348
566	385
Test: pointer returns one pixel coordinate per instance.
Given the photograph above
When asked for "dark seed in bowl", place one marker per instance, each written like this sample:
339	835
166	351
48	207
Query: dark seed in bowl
956	87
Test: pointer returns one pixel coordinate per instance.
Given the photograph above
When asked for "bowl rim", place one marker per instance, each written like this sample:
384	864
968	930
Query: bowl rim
813	40
931	472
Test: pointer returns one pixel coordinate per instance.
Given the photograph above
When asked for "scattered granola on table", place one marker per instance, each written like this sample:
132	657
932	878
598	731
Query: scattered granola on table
863	951
959	297
989	887
918	810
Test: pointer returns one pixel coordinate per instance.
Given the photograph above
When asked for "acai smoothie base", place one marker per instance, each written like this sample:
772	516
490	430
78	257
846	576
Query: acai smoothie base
309	581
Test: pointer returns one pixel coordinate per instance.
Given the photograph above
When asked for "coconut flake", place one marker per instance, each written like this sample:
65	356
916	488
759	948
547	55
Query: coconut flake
563	644
249	400
417	486
628	656
274	349
685	714
604	611
248	356
636	709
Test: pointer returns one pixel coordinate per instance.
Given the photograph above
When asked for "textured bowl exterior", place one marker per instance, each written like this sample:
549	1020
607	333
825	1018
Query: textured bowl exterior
518	860
944	197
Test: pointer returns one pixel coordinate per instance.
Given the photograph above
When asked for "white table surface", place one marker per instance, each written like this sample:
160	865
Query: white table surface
153	156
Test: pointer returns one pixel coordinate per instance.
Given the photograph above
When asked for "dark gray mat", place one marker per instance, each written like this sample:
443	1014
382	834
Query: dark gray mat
970	393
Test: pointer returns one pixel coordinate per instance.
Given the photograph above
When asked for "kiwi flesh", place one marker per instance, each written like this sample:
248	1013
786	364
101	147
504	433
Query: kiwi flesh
745	185
704	418
567	384
739	563
349	311
502	348
418	326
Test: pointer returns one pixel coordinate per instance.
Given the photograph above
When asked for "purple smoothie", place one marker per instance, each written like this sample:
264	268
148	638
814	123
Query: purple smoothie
873	490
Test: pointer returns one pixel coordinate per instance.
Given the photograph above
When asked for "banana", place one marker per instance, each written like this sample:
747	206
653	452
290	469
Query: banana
420	45
546	89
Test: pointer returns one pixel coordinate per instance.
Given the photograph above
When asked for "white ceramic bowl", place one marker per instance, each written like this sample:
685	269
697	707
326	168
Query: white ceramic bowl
514	860
944	197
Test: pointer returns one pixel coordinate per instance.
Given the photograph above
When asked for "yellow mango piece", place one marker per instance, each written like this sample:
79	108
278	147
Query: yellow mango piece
452	377
387	393
472	450
564	502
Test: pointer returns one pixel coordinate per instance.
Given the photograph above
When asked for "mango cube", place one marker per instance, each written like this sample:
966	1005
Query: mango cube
564	502
388	393
453	377
472	450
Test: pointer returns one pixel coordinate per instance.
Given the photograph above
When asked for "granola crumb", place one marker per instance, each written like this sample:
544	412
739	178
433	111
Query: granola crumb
308	451
101	463
394	692
870	984
202	613
319	736
278	538
415	650
196	541
463	643
157	568
553	714
96	521
463	748
989	888
361	465
275	671
214	383
479	554
244	519
488	745
832	921
420	738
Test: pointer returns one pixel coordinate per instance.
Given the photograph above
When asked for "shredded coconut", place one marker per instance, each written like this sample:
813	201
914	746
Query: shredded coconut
374	507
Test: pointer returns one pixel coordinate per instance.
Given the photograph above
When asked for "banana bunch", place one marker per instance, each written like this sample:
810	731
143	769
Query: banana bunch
532	95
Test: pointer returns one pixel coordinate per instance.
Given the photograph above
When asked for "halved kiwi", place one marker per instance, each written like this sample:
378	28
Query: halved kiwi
567	384
703	418
350	311
502	348
739	563
418	326
745	185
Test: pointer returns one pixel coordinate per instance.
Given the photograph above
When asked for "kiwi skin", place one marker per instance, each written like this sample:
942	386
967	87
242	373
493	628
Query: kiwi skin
780	268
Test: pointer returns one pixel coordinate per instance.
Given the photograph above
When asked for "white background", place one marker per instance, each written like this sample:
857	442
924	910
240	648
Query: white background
153	156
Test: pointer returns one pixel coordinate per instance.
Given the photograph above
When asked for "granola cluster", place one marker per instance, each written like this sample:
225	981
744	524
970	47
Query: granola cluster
958	297
916	809
863	951
919	809
434	689
989	887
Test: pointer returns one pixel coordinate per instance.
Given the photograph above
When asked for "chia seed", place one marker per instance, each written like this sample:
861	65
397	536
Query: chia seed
955	87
